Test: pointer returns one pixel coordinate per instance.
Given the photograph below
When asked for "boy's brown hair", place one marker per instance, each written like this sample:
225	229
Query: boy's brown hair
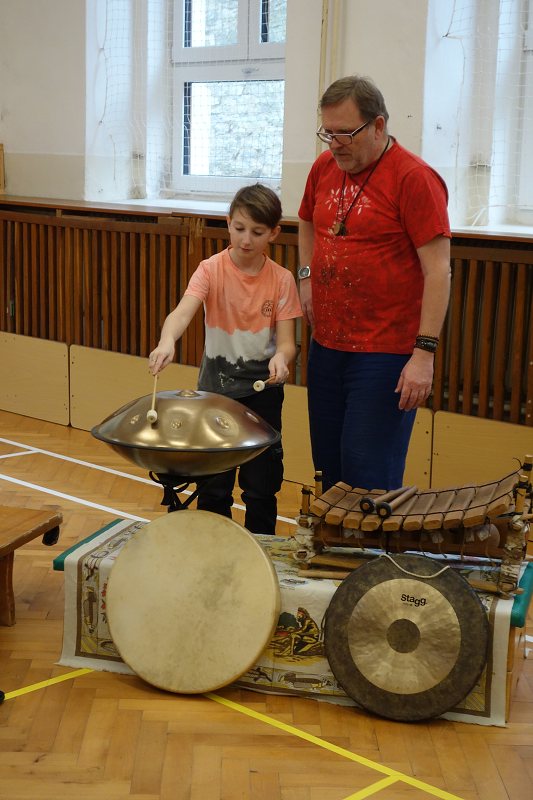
260	203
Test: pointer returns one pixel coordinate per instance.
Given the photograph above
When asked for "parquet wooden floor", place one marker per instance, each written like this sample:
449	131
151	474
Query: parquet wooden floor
105	736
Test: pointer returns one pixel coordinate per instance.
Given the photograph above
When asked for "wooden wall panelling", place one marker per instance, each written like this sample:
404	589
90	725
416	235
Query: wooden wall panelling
145	292
21	296
485	337
529	378
105	267
4	276
454	325
473	450
522	320
157	274
43	330
116	290
9	300
197	254
297	459
59	301
187	256
109	281
65	298
85	330
132	302
469	336
34	281
101	382
95	272
418	462
50	288
34	379
438	392
501	340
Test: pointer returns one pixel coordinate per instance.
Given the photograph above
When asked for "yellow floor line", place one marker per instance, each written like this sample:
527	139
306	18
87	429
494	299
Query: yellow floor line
392	775
373	788
43	684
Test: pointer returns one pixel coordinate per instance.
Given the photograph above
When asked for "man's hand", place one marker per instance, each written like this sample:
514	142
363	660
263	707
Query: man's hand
416	380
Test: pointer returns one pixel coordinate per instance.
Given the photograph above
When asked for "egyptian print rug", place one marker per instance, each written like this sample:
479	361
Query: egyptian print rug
294	662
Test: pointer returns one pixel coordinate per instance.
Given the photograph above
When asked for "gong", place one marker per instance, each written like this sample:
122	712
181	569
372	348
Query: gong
192	601
406	637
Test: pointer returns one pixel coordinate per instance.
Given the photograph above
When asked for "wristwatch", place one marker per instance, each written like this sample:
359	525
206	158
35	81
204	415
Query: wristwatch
304	272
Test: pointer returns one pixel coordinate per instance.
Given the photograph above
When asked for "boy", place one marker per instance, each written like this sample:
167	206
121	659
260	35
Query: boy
250	306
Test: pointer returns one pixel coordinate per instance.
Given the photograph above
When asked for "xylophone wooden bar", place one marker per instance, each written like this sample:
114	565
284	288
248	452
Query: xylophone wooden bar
464	520
454	516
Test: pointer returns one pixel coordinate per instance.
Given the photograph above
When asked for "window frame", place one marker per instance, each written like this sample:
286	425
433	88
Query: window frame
249	59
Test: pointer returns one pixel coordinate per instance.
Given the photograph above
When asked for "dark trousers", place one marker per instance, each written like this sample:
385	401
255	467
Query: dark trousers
358	433
259	479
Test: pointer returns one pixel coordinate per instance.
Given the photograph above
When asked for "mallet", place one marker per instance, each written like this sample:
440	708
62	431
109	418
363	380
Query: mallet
151	415
260	385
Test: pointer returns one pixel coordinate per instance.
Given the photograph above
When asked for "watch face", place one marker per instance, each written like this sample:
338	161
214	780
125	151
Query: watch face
304	272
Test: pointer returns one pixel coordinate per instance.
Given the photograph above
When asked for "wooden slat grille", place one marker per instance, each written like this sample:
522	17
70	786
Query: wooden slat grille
108	281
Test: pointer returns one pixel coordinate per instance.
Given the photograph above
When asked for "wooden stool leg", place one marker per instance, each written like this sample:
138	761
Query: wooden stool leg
7	598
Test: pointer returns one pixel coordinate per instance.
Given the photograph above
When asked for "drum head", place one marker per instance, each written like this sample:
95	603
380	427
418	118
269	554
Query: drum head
192	601
403	641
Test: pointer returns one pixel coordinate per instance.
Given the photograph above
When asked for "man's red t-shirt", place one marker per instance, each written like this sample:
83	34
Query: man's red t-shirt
367	285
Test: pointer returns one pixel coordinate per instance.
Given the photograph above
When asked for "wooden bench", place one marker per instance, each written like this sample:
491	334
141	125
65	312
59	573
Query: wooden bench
18	526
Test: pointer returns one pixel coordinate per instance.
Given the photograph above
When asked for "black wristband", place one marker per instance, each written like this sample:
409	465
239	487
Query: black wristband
427	343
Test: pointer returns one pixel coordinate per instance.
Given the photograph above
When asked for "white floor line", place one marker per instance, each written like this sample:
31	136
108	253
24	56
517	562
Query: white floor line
73	499
79	461
89	465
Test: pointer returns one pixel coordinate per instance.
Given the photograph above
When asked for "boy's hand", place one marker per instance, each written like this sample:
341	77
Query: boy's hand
160	358
277	368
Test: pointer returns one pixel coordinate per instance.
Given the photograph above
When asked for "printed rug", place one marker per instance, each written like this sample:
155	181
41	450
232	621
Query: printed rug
294	662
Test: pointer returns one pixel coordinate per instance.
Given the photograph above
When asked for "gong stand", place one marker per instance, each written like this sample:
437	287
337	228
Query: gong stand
174	484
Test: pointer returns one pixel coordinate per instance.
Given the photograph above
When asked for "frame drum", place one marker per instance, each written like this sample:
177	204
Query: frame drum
405	637
192	601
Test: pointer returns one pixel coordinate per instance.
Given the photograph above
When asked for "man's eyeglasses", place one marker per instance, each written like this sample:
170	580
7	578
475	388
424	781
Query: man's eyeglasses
340	138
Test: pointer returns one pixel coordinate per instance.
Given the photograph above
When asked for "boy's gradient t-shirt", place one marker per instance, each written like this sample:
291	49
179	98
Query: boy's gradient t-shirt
241	312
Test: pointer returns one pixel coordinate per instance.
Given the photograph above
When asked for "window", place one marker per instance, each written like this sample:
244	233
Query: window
479	109
228	94
525	192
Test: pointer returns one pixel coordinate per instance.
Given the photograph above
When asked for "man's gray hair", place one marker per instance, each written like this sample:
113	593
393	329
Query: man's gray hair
364	93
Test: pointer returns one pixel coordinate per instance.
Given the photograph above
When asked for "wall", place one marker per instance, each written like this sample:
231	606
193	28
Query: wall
42	91
383	39
43	83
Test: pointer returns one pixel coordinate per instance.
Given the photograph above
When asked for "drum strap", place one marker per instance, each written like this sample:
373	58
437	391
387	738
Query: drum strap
414	574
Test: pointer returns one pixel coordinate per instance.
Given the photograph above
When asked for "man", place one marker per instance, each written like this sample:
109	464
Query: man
374	241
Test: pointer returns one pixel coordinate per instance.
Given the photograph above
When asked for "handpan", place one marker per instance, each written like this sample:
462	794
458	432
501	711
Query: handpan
406	637
192	601
192	433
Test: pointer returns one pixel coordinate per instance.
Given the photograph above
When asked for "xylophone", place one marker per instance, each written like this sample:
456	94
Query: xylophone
405	635
489	520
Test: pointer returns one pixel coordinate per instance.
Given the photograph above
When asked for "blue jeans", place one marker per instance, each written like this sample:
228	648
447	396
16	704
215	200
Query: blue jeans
358	433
